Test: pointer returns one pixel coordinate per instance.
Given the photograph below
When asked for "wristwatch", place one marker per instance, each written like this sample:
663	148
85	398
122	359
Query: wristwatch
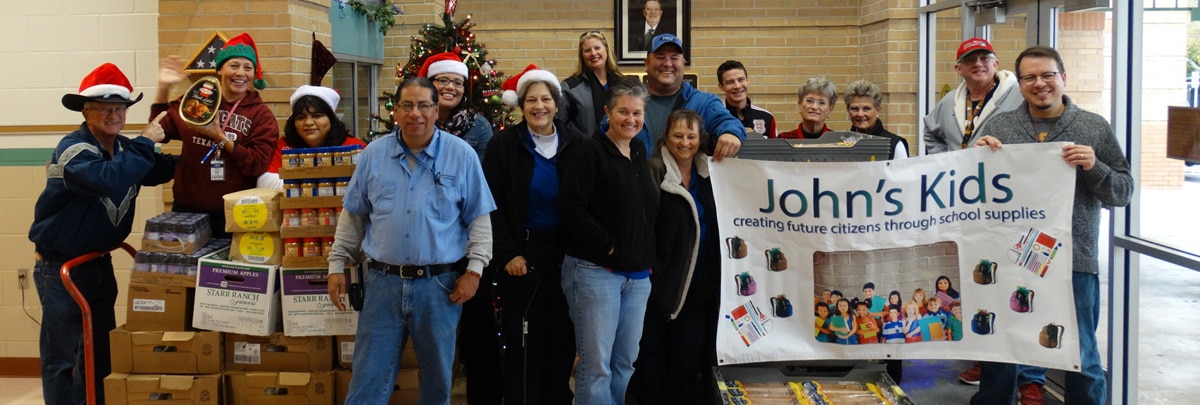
221	145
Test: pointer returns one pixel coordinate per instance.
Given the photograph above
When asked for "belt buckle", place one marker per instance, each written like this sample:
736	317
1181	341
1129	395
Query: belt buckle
411	271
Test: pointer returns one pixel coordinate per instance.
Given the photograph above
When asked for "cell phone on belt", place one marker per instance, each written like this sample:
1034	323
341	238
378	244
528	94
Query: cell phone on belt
356	288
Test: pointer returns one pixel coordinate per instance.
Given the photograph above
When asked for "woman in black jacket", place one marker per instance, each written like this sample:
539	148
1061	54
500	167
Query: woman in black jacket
608	204
679	337
864	102
523	167
586	91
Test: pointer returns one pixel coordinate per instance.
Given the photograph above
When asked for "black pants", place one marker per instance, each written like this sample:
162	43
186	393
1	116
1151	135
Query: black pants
533	367
674	365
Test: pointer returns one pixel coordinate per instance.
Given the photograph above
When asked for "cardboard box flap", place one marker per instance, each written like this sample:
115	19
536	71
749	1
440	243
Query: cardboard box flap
260	379
294	379
175	382
178	336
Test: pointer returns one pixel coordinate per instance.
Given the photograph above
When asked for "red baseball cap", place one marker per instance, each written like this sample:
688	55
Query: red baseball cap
972	45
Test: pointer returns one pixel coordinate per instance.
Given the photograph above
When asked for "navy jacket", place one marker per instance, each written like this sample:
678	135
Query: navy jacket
88	203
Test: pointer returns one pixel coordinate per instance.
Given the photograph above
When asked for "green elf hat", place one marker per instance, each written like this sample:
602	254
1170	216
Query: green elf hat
242	46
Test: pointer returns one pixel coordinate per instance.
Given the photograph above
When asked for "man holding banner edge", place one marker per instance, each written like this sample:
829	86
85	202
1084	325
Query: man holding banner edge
1102	178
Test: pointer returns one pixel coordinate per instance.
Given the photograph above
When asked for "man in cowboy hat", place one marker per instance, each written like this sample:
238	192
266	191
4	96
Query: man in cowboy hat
92	184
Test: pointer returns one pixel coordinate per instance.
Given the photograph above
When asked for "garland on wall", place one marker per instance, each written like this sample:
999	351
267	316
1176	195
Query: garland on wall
381	12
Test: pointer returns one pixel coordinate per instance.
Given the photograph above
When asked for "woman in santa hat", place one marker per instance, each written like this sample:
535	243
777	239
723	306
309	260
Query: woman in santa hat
231	152
313	124
523	167
455	114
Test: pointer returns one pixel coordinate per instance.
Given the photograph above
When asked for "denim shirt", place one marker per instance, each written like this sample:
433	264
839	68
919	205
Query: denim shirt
420	215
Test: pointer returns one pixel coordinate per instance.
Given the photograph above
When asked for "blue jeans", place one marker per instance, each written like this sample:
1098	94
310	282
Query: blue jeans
608	311
395	309
998	380
61	340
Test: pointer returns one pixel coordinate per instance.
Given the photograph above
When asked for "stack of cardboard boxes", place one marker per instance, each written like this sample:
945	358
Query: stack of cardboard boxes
246	321
156	355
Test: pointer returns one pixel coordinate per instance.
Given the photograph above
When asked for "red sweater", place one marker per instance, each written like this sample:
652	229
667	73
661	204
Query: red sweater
254	131
800	134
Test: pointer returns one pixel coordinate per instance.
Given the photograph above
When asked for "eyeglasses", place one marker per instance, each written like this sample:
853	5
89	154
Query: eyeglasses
422	107
971	60
817	102
592	32
446	81
109	110
1046	77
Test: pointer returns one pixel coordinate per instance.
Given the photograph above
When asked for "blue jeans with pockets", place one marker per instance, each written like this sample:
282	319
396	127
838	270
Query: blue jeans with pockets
608	311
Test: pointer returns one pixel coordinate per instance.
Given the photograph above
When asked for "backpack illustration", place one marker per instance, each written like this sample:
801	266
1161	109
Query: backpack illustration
1021	300
1051	336
985	272
745	284
983	323
737	247
776	261
781	306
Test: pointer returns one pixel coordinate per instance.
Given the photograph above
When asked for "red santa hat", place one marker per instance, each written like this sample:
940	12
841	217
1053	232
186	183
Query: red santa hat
445	62
515	86
105	84
242	46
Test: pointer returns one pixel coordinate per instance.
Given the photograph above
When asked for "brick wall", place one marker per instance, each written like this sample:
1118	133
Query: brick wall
790	42
899	269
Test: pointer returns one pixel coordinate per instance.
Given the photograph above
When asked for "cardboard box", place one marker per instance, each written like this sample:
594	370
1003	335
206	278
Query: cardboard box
257	248
311	202
307	310
311	172
405	392
236	297
167	279
253	210
260	387
345	353
142	389
159	352
278	353
171	246
153	307
308	231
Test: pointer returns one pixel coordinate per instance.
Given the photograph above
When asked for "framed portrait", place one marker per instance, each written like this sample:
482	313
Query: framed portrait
638	21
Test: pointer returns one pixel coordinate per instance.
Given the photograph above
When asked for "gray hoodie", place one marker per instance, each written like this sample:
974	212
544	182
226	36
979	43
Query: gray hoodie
945	125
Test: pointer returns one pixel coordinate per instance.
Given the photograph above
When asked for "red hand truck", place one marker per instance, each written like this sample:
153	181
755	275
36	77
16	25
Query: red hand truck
89	346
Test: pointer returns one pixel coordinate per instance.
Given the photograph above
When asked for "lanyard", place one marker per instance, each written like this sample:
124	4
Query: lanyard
223	126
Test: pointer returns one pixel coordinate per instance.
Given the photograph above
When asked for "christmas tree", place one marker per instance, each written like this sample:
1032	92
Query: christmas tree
483	86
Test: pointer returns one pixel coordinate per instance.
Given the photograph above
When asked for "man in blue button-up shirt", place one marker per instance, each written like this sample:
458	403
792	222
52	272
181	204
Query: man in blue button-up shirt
417	206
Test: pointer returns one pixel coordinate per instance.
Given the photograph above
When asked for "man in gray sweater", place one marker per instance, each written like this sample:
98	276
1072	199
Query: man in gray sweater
1102	179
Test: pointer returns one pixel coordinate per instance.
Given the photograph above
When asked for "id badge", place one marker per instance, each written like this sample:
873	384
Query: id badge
217	171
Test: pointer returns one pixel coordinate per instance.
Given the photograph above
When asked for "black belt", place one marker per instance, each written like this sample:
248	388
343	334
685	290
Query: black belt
410	271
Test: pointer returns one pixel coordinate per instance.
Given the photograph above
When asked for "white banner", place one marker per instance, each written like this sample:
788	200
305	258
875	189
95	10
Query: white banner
981	239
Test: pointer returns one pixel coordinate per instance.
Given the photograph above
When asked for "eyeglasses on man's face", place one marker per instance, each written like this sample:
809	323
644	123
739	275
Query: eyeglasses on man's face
422	107
1046	77
446	81
114	110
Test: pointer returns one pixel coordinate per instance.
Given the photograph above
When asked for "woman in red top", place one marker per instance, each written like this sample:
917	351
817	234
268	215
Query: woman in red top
817	97
313	124
230	153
